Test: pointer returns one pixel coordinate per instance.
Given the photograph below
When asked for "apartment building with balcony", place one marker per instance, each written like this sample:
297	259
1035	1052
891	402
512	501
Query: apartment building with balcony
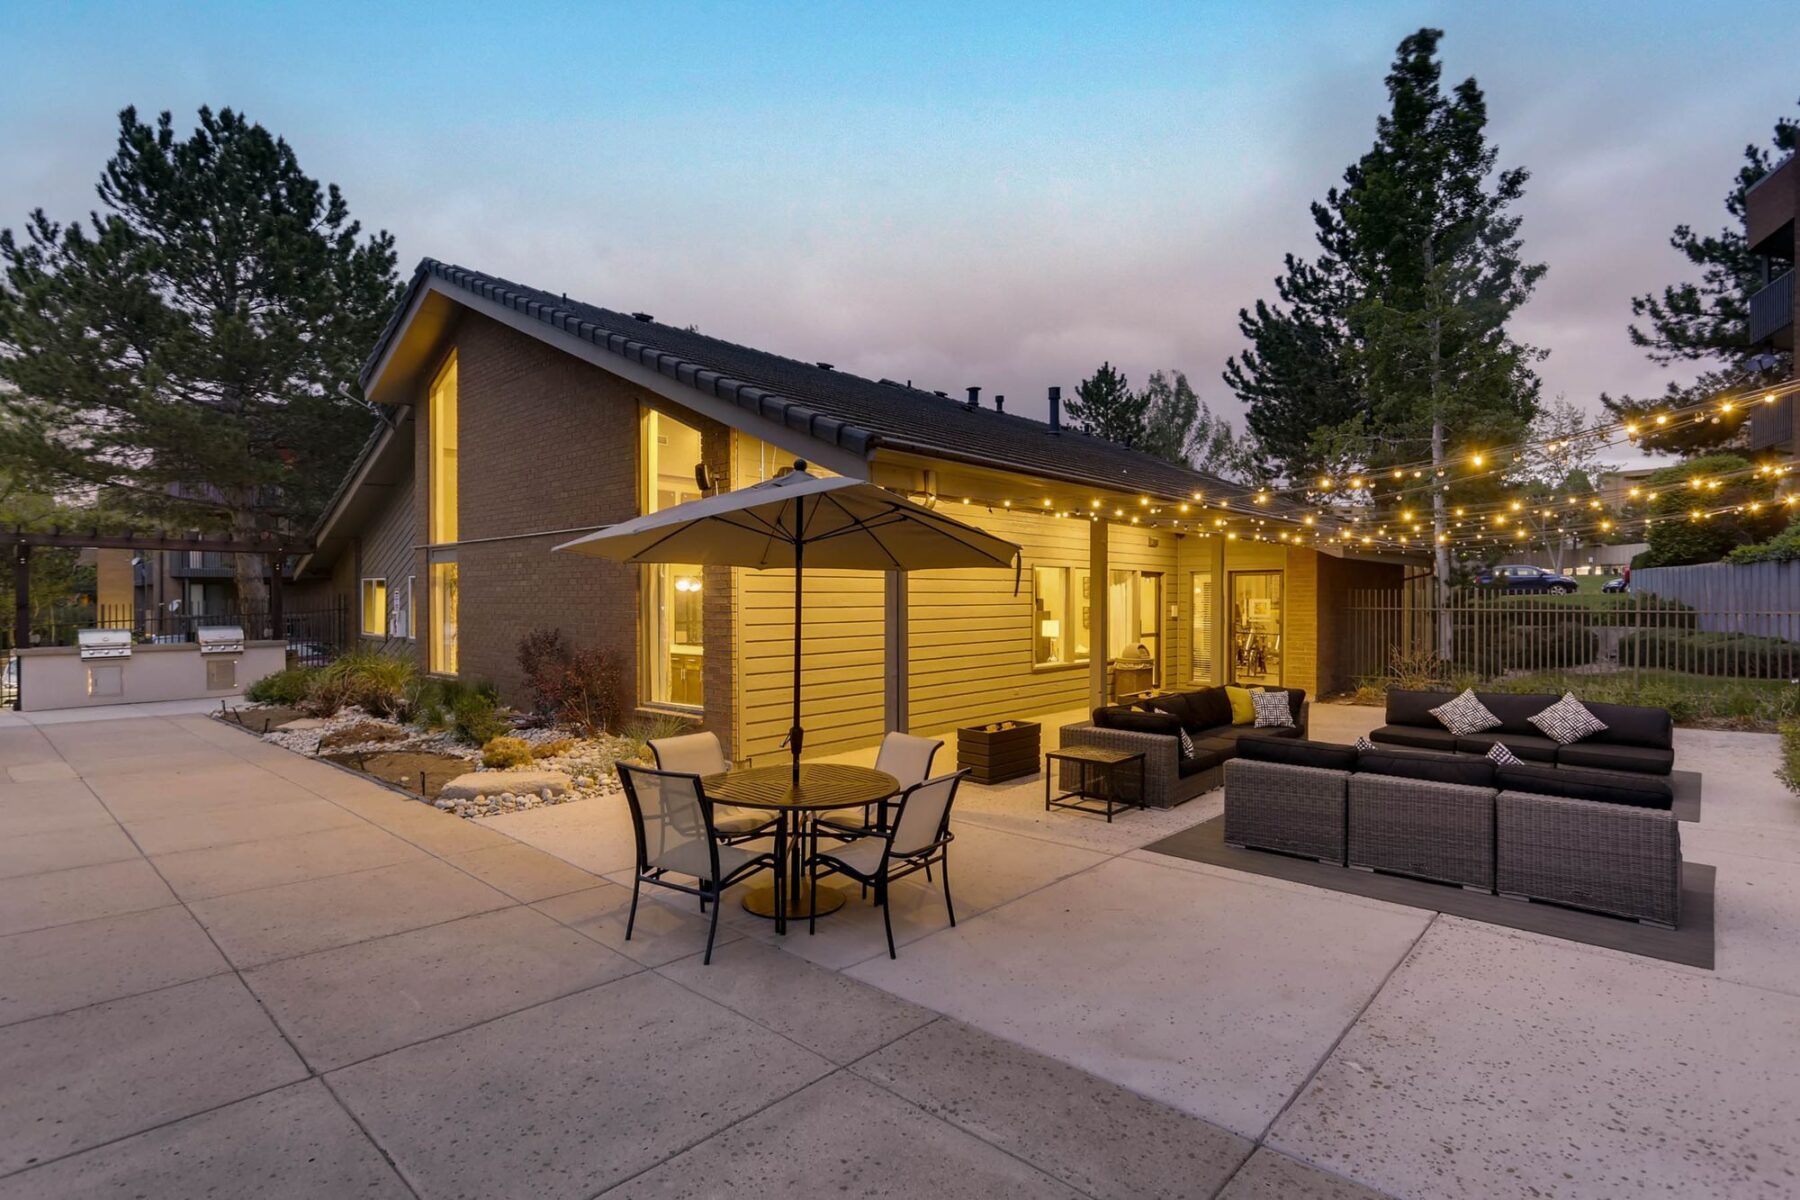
1770	208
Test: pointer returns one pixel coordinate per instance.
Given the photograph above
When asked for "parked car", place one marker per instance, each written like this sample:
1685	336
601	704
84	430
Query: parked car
1616	584
1520	578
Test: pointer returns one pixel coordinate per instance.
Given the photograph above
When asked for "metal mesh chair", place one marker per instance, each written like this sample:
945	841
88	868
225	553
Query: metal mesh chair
676	832
919	837
702	754
904	756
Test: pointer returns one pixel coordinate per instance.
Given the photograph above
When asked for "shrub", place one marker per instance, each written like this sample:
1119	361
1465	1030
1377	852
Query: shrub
1783	547
503	752
584	689
377	683
475	715
552	748
1789	771
286	687
1742	655
653	727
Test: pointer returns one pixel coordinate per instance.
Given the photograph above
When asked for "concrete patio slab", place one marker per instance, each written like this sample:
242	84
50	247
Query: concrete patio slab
571	1097
42	772
662	934
593	834
1213	995
44	807
422	825
1756	914
525	873
60	849
1018	807
1091	1134
1272	1175
21	746
269	862
844	1136
225	826
827	1012
1509	1065
341	1006
69	966
317	914
296	1143
222	784
80	894
78	1079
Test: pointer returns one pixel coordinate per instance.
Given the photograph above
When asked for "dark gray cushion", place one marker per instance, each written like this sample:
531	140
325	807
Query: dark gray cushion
1202	760
1515	713
1577	783
1433	768
1416	736
1645	760
1224	747
1211	707
1235	733
1406	707
1632	725
1133	720
1297	752
1533	747
1176	705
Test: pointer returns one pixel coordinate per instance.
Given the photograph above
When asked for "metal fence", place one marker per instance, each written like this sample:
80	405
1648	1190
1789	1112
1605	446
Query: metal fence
1485	636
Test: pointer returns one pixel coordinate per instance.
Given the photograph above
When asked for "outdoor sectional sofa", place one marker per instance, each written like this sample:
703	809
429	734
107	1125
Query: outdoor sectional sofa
1154	726
1635	739
1607	841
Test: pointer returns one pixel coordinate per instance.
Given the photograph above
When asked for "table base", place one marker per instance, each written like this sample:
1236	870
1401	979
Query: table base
761	901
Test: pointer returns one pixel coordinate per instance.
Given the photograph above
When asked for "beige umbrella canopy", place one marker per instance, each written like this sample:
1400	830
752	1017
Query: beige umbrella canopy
798	520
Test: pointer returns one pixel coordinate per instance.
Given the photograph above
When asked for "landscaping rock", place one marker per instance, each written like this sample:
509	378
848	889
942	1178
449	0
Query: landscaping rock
500	783
304	723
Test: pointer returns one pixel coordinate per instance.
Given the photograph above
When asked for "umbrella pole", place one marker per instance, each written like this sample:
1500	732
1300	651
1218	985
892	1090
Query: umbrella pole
796	735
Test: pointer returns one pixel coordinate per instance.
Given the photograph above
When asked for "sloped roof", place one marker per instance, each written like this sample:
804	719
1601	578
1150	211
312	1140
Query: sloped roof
840	408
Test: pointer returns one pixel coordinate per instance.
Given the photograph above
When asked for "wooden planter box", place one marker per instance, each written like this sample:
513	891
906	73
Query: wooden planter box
995	755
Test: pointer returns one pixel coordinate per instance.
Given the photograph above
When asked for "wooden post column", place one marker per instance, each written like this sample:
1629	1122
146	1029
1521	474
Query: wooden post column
277	615
895	701
1099	588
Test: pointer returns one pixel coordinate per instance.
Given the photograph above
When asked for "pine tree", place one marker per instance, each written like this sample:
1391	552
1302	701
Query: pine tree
1170	410
1705	322
190	355
1105	406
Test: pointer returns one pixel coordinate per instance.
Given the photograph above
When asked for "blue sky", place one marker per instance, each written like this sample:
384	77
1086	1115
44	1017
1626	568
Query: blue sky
955	194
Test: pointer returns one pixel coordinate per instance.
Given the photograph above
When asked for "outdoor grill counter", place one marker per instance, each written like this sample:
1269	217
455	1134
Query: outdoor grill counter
105	666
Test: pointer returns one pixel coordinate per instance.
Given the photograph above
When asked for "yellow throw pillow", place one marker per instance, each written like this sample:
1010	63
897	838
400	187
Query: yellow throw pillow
1243	710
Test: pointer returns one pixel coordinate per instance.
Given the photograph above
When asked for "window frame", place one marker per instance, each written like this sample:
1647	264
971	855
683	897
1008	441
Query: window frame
1068	635
656	581
443	491
435	660
379	629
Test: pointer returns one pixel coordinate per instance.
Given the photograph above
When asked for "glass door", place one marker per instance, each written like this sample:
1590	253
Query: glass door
1256	627
1134	629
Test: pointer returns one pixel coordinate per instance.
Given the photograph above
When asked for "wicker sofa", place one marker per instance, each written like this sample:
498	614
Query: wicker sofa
1601	840
1154	726
1636	738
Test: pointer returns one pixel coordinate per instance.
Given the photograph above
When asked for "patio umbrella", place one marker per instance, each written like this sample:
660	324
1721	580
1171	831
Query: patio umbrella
797	520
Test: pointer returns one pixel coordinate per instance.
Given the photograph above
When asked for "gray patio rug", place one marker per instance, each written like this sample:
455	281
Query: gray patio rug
1691	945
1687	795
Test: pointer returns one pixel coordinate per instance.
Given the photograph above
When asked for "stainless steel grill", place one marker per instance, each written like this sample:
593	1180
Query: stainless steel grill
104	643
221	639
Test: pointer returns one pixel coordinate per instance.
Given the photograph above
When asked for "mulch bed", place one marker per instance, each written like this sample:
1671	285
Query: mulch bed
404	768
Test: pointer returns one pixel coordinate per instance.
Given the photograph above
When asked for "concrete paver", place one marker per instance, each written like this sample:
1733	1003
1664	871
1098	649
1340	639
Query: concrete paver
80	894
316	914
1091	1134
72	1081
524	872
571	1097
224	826
60	849
267	862
844	1136
662	933
1272	1175
354	1002
292	1144
69	966
827	1012
1507	1065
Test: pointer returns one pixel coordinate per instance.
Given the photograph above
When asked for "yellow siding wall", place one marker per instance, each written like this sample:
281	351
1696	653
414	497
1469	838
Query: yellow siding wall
970	636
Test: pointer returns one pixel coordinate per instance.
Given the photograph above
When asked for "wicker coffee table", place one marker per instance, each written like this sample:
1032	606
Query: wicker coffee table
1093	765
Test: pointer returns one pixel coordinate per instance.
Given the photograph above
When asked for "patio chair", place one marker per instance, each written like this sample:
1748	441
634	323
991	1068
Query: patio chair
702	754
673	822
920	835
908	759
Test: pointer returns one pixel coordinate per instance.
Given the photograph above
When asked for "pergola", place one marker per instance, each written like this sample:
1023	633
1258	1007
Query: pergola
274	546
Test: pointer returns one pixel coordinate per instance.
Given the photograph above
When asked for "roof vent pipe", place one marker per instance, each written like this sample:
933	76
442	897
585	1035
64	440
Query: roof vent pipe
974	399
999	403
1055	410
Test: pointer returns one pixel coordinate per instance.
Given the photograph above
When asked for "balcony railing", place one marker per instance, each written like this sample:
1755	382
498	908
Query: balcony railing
1772	425
1772	309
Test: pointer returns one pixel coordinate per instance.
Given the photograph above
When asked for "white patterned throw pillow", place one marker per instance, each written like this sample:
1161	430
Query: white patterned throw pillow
1568	721
1502	757
1272	709
1363	743
1187	744
1466	714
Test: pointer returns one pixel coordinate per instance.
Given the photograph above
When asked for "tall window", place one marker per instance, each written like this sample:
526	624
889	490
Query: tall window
441	570
374	608
673	596
1059	615
1256	627
1134	627
1201	652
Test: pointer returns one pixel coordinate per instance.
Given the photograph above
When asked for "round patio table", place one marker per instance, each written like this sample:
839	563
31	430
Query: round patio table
823	787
